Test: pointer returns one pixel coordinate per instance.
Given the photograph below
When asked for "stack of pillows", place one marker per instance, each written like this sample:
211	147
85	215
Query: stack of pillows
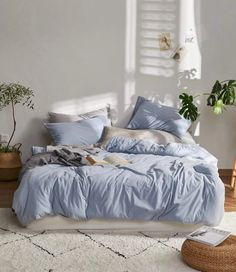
82	129
150	121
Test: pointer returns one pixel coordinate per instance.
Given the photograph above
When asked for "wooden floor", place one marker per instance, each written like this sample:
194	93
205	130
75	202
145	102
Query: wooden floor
230	202
7	189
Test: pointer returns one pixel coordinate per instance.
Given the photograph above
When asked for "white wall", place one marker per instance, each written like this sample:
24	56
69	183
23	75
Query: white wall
88	53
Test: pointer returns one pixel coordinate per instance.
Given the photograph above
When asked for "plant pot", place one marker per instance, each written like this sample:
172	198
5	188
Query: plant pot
10	166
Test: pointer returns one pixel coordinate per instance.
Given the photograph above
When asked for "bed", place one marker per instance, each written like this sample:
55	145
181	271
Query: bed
164	186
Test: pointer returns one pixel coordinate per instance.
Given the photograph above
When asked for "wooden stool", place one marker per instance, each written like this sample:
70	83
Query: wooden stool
221	258
233	180
232	186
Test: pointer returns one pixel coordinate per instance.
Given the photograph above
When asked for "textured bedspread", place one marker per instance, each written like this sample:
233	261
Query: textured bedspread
173	182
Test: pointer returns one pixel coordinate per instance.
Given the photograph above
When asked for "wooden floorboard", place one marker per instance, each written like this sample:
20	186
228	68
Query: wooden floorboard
230	202
7	190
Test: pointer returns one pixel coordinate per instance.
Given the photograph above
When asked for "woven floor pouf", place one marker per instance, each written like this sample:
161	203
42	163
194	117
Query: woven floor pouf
221	258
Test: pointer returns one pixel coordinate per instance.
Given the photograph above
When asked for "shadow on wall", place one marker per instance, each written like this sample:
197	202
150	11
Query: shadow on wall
145	64
149	71
218	63
145	22
154	20
85	104
34	132
184	80
95	102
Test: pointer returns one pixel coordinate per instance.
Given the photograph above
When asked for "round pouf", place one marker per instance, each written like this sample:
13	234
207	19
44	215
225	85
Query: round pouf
211	259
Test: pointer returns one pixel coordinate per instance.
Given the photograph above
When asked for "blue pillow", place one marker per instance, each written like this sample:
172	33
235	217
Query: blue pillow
38	149
139	101
156	116
83	132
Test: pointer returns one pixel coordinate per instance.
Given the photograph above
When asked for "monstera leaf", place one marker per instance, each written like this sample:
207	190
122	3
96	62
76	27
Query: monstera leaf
215	93
222	91
222	94
228	95
189	110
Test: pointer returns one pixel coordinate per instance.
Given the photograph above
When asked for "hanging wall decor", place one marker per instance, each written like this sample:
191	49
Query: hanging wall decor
179	53
165	41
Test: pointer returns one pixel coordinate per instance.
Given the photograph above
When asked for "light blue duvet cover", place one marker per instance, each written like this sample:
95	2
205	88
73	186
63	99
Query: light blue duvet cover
174	182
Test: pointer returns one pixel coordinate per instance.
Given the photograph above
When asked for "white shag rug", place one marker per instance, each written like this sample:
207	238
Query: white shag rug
22	250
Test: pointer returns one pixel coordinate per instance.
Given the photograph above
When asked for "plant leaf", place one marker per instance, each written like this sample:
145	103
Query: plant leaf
188	110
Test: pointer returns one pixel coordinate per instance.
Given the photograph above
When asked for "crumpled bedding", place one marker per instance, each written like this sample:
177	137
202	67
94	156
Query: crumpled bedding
174	182
134	146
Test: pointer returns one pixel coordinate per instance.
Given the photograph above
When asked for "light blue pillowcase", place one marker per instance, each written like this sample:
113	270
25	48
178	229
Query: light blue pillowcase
156	116
139	101
84	132
38	149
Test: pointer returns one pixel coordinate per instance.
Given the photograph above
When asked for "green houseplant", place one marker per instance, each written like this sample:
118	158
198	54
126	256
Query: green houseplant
11	95
222	95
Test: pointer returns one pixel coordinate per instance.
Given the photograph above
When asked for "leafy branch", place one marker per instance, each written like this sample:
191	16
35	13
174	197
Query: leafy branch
13	94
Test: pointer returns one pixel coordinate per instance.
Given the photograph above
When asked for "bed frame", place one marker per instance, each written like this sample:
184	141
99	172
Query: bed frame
63	223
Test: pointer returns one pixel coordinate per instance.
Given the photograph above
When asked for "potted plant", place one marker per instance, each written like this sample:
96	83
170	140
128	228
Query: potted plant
11	95
222	94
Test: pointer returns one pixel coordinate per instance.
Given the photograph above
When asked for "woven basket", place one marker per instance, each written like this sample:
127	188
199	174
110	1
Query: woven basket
211	259
10	166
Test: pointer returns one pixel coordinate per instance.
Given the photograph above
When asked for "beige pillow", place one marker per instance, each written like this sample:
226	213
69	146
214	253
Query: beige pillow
157	136
64	118
55	117
187	138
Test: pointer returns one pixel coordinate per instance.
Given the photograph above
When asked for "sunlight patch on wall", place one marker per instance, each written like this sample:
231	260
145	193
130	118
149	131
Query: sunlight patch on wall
196	132
130	52
85	104
189	39
156	17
